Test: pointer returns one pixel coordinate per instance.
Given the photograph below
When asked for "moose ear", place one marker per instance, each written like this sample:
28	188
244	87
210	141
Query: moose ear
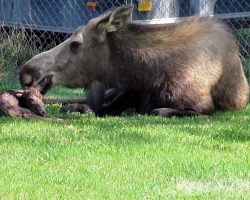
116	19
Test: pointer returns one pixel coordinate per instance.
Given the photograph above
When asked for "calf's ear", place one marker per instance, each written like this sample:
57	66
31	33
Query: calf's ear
116	19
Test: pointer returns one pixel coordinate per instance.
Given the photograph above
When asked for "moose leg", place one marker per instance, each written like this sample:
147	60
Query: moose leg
65	101
198	104
111	94
111	104
96	96
204	107
76	107
170	112
117	102
108	102
33	116
28	115
125	99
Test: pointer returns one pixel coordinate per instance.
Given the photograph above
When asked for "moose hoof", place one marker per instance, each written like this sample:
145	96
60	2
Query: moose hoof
81	108
167	112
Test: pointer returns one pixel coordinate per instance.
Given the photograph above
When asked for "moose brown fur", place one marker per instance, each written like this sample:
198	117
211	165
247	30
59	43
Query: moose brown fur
27	104
188	67
21	103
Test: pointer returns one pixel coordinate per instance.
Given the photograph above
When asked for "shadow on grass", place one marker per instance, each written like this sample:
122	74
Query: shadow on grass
230	126
233	126
79	130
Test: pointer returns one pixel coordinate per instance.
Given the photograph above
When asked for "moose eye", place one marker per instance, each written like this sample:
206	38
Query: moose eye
75	46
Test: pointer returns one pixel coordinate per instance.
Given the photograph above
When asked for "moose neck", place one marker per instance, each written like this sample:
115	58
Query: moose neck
139	54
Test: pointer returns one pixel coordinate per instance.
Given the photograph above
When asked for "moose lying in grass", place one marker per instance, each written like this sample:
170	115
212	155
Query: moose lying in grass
27	104
185	68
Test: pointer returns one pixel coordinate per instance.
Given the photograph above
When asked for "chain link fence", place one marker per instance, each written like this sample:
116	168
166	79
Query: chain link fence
31	26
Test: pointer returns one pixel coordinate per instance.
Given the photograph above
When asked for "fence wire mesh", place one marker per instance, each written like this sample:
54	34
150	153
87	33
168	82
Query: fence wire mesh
32	26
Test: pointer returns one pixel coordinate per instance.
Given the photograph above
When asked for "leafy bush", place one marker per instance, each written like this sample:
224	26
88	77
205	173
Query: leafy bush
14	51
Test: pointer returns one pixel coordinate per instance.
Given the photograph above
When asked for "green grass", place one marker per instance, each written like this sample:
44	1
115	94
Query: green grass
127	157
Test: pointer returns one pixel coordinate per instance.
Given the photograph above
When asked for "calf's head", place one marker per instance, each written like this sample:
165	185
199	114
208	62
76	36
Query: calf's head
80	59
33	100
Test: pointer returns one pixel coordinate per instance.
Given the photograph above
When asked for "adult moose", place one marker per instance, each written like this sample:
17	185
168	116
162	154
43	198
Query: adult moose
185	68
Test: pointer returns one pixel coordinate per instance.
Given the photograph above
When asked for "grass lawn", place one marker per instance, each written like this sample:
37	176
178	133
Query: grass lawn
127	157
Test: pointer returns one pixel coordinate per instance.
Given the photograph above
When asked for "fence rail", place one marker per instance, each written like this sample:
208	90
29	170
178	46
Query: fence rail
45	23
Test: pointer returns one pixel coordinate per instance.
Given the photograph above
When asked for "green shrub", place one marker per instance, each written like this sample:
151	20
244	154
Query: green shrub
14	51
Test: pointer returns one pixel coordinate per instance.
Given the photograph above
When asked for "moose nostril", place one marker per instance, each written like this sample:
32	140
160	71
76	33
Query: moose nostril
27	79
42	112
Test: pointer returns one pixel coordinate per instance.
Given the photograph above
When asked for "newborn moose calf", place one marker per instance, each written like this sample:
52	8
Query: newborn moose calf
27	104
